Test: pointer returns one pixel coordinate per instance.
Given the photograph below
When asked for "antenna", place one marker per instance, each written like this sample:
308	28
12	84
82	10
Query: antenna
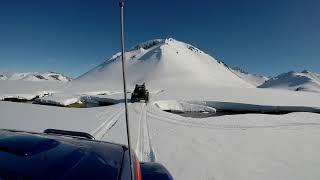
121	5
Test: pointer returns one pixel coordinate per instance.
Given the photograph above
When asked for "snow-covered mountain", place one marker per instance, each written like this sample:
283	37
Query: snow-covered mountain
165	61
35	76
303	81
3	77
253	79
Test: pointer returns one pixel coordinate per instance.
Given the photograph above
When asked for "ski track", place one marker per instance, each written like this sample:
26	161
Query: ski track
108	124
144	148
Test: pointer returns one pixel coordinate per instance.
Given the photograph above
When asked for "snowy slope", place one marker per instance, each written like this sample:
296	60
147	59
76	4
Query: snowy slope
249	146
35	76
303	81
165	63
253	79
245	146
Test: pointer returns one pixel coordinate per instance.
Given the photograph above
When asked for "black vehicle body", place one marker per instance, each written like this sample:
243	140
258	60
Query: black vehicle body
140	93
27	155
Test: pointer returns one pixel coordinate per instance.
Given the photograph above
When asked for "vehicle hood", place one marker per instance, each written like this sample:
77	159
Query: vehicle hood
36	156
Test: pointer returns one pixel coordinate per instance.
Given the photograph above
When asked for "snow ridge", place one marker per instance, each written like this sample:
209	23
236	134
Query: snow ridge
253	79
303	81
147	44
35	76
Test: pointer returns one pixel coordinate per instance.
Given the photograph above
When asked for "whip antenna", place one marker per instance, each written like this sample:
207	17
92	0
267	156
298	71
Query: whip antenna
121	5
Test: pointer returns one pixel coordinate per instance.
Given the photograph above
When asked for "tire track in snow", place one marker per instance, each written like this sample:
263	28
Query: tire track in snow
144	148
108	124
140	135
102	115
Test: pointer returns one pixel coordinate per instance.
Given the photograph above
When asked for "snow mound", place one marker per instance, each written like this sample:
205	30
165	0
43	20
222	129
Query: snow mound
59	99
164	63
102	92
253	79
258	108
101	99
182	106
213	106
89	99
35	76
303	81
24	96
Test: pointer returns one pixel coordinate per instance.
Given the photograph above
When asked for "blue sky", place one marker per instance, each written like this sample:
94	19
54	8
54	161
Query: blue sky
73	36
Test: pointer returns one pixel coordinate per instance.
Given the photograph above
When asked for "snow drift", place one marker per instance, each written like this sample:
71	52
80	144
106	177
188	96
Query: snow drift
165	63
182	106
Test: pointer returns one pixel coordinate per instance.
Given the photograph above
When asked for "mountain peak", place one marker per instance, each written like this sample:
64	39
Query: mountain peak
305	71
147	44
165	61
158	42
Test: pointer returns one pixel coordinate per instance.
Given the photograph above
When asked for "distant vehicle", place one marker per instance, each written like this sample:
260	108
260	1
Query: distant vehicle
140	93
58	154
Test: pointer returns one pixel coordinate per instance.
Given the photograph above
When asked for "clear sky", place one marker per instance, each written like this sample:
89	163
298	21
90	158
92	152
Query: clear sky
72	36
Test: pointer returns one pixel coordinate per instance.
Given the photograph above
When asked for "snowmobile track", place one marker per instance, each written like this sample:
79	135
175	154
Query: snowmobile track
144	148
108	124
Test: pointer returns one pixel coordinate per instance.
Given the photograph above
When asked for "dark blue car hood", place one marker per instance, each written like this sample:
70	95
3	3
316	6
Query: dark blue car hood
36	156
